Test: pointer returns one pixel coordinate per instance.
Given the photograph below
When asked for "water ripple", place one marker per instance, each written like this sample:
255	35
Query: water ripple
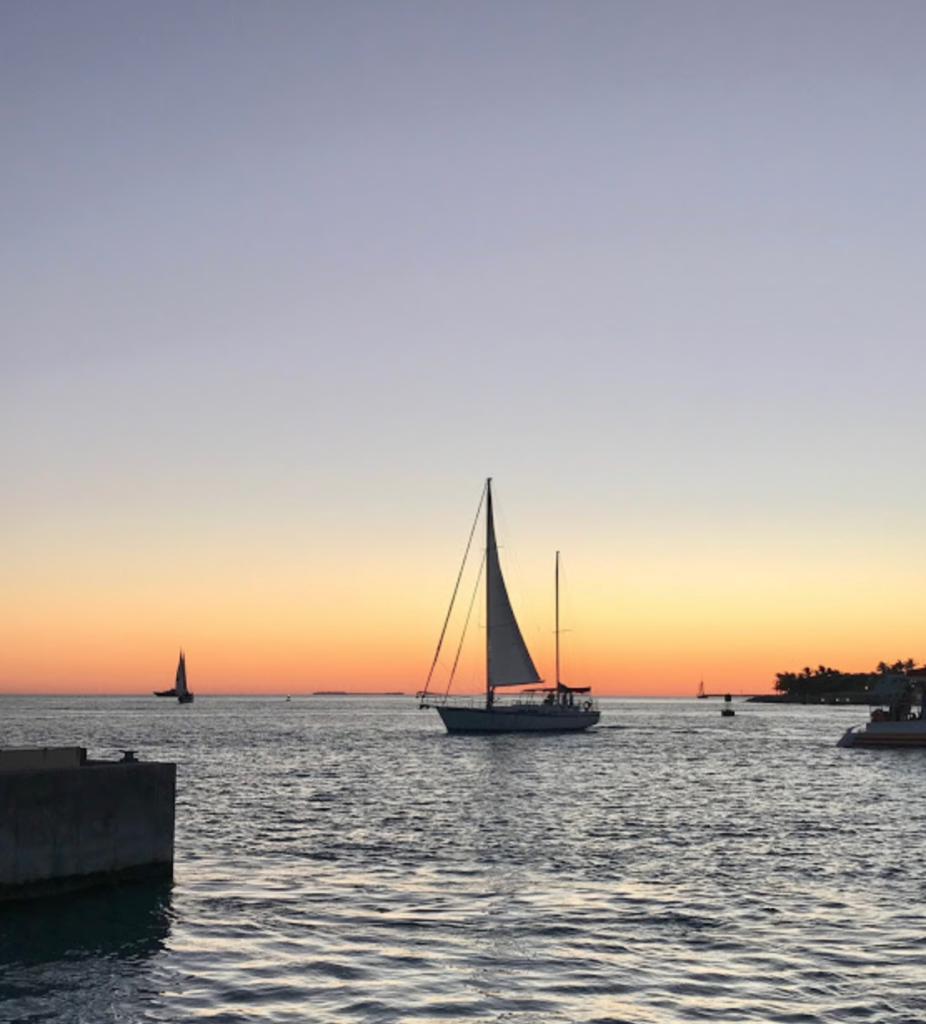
343	861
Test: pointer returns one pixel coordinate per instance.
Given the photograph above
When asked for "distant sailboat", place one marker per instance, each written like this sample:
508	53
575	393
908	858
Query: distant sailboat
179	689
509	663
184	695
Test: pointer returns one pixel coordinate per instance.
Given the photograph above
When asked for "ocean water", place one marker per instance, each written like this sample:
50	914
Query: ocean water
343	860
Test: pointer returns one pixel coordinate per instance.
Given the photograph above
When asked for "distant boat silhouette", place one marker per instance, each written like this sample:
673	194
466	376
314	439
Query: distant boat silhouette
179	689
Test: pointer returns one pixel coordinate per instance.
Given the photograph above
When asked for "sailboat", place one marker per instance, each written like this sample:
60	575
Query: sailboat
179	689
535	707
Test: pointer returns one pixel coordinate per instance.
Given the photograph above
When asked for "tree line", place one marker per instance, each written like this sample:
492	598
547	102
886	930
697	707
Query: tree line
825	680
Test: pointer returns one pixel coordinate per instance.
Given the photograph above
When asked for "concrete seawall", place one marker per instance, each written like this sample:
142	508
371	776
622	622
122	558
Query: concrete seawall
64	828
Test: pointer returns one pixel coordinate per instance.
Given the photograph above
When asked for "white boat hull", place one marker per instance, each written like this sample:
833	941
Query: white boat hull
517	719
886	734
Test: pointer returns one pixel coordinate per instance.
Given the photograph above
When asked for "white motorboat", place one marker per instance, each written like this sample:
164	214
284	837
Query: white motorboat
896	718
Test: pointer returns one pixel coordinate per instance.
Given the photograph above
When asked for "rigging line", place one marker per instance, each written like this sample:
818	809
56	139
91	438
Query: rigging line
456	587
472	602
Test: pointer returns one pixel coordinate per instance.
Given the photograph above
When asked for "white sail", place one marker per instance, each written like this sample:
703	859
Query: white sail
509	662
181	676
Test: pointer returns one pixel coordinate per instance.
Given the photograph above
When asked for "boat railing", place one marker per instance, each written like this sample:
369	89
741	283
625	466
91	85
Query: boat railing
582	702
444	700
527	698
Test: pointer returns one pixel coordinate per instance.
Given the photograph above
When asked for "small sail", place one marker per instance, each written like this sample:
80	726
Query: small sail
509	662
181	676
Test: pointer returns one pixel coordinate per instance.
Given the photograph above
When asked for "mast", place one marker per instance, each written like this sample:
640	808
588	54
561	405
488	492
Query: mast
490	541
557	620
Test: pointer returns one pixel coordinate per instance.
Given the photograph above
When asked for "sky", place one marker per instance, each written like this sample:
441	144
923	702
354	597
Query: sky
282	284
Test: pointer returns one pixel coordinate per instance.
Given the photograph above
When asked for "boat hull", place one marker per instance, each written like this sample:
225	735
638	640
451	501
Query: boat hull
516	719
886	734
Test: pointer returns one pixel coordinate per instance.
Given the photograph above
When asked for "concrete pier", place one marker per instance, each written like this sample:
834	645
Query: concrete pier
69	823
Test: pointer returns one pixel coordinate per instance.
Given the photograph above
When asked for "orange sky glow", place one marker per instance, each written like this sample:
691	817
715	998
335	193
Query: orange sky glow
667	625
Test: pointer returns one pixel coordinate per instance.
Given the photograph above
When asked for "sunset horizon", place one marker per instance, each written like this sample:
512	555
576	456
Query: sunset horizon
650	618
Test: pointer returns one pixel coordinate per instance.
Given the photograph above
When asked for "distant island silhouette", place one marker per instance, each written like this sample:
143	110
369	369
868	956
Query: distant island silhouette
358	693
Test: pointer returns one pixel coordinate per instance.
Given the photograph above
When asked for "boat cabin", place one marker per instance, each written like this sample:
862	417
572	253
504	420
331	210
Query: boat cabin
897	700
562	695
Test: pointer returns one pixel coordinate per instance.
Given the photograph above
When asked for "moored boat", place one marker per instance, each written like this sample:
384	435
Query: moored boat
896	718
535	707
